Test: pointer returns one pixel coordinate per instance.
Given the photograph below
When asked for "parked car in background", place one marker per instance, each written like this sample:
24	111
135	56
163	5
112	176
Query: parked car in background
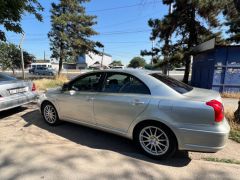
44	71
158	113
31	70
14	93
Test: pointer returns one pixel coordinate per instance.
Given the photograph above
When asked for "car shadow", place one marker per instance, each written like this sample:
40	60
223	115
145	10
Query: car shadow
10	112
101	140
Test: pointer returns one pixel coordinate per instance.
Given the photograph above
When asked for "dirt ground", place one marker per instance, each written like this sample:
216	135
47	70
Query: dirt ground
30	149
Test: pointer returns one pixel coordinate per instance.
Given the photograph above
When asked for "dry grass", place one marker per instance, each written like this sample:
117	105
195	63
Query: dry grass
235	95
44	84
235	127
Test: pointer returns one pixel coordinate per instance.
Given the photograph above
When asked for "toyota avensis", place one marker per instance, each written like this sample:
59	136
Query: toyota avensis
158	113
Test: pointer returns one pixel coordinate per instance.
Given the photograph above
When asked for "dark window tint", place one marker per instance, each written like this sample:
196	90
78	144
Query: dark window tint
123	83
89	83
174	84
4	77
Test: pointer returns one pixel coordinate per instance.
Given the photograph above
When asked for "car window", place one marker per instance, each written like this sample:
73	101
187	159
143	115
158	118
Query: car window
89	83
178	86
4	77
123	83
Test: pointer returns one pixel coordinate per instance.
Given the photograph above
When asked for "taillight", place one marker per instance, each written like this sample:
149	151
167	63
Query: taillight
34	87
218	109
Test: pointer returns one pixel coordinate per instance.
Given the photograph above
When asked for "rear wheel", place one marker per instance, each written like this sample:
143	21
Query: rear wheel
155	140
50	114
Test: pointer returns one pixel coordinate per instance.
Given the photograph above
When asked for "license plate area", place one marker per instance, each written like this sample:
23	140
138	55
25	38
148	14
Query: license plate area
18	90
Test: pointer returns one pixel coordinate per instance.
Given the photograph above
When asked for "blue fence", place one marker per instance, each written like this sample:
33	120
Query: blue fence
217	69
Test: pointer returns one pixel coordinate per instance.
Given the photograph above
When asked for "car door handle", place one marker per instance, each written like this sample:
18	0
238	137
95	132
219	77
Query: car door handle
137	102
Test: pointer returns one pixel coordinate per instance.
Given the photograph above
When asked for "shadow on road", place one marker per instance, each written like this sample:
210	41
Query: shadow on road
100	140
11	112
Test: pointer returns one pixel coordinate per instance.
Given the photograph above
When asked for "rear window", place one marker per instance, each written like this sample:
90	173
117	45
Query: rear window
4	77
178	86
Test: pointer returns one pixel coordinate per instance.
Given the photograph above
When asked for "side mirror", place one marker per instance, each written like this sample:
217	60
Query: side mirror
65	87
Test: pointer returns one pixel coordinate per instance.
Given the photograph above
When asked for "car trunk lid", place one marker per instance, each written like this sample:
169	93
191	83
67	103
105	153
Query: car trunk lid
13	87
203	95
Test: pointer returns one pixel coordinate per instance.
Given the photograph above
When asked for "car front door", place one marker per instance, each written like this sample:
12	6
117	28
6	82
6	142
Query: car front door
122	99
76	103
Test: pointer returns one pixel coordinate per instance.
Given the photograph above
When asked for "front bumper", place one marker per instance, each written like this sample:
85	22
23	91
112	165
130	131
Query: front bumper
203	138
13	101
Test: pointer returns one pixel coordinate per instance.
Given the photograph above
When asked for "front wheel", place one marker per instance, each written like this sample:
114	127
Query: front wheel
50	114
155	140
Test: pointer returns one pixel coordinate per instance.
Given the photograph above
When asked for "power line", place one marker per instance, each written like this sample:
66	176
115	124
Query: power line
111	9
123	7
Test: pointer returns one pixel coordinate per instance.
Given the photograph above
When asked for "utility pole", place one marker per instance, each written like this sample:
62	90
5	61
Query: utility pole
102	58
21	50
169	12
152	53
44	56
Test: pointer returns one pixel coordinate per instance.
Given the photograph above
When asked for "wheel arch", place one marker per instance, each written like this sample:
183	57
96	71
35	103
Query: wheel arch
47	101
148	121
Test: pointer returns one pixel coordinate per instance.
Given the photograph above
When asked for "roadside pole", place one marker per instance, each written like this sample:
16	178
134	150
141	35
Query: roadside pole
22	60
102	58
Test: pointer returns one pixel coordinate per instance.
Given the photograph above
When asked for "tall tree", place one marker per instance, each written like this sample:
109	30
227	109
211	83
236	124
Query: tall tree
11	12
71	31
10	57
191	22
232	14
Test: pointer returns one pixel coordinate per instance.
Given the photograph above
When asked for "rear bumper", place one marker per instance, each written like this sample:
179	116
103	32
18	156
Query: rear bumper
210	138
17	100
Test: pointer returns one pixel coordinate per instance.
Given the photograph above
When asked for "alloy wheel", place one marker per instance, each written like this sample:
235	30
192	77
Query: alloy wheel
154	140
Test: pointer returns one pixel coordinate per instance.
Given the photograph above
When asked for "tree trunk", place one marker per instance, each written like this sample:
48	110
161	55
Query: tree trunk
191	42
60	65
60	60
13	71
187	69
164	69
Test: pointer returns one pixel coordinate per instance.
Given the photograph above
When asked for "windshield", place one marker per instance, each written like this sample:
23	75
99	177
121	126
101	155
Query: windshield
4	77
178	86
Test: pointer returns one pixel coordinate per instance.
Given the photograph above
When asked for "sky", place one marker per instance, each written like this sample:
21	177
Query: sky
122	27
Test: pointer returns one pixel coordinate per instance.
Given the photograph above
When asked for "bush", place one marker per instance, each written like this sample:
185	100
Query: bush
44	84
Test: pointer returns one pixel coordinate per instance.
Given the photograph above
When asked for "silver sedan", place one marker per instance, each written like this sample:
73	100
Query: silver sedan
14	93
158	113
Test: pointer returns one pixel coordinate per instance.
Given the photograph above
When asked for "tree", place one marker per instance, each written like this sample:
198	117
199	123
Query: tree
71	31
116	63
10	57
232	15
11	12
191	22
137	62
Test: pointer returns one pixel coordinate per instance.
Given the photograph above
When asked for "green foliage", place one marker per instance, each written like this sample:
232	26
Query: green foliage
71	30
116	63
189	24
232	14
11	12
235	135
137	62
10	57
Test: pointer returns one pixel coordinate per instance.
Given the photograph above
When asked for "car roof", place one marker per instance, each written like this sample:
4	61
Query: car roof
130	71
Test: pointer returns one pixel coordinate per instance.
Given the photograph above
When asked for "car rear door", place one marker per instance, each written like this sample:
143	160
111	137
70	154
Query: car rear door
77	102
122	99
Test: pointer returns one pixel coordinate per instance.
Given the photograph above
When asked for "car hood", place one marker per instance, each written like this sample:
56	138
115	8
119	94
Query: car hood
203	95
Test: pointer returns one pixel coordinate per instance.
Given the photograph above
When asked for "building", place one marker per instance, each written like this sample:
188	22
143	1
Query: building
92	60
216	67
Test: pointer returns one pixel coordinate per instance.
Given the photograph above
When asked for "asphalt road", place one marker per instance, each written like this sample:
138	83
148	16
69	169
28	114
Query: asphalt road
30	149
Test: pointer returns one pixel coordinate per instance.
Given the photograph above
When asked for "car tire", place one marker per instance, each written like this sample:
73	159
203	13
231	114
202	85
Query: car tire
155	140
50	114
